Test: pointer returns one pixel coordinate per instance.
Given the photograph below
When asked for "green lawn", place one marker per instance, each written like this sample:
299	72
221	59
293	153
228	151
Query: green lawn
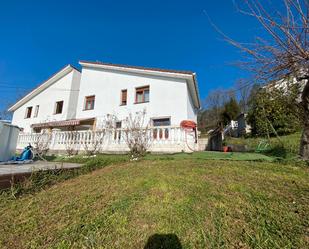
182	202
286	148
213	155
202	155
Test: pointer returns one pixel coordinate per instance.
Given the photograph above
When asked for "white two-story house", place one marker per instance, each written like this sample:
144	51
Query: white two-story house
82	99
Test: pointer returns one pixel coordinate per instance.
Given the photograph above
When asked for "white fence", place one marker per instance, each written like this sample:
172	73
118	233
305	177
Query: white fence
162	139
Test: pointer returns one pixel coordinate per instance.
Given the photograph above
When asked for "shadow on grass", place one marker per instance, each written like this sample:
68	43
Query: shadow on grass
163	241
280	153
277	151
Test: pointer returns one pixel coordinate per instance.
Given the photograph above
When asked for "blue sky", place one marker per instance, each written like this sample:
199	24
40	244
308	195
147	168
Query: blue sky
40	37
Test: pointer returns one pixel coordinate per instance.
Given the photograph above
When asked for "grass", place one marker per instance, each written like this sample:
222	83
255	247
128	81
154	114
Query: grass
42	179
202	155
181	201
213	155
286	148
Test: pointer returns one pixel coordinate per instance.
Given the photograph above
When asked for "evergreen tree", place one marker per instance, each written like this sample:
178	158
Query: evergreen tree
230	111
275	110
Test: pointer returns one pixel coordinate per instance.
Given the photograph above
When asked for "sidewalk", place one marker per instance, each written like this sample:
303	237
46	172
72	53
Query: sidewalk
22	171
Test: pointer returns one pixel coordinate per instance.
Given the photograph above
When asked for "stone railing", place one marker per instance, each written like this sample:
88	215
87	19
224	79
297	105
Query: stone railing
161	139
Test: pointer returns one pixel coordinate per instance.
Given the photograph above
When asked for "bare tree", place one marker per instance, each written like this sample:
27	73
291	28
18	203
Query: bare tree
70	146
214	104
137	134
285	53
95	138
6	103
244	89
4	113
41	143
94	142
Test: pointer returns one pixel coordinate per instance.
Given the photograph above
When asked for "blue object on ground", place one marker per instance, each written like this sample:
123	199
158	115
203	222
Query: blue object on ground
25	155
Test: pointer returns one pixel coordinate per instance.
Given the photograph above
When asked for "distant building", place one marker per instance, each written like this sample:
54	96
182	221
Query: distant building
243	128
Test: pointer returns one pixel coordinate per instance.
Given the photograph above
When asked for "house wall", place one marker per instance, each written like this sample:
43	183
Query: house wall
58	91
192	111
168	97
75	86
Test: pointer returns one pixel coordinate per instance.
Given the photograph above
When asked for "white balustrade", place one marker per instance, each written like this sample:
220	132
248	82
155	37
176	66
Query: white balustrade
162	139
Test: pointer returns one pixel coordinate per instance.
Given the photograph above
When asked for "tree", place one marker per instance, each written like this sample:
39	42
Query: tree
6	103
41	143
95	138
244	89
4	113
137	134
275	111
255	88
230	111
285	51
210	117
70	146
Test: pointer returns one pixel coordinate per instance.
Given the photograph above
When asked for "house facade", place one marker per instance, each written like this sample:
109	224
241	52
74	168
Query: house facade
81	100
54	100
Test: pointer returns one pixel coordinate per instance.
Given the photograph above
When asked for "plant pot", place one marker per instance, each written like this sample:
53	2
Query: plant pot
225	148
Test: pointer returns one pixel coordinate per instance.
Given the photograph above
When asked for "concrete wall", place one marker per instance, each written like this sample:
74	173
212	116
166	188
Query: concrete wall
168	97
66	89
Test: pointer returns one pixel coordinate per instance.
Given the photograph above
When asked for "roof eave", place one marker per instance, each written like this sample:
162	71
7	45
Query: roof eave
136	70
196	91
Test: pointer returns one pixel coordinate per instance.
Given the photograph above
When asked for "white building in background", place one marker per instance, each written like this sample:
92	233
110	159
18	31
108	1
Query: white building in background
80	100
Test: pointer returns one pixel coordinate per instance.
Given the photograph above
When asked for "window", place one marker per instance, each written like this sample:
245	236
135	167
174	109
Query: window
124	94
28	112
89	102
161	122
161	133
36	111
142	94
118	124
117	134
58	107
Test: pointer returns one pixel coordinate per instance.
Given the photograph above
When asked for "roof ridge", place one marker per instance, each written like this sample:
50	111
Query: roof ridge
138	67
74	67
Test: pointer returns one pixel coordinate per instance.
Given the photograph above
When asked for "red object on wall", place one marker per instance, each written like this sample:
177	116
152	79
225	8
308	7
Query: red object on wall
188	124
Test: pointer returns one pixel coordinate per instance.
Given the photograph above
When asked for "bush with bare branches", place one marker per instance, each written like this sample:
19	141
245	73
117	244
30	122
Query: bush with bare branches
95	138
41	143
137	134
94	142
70	146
